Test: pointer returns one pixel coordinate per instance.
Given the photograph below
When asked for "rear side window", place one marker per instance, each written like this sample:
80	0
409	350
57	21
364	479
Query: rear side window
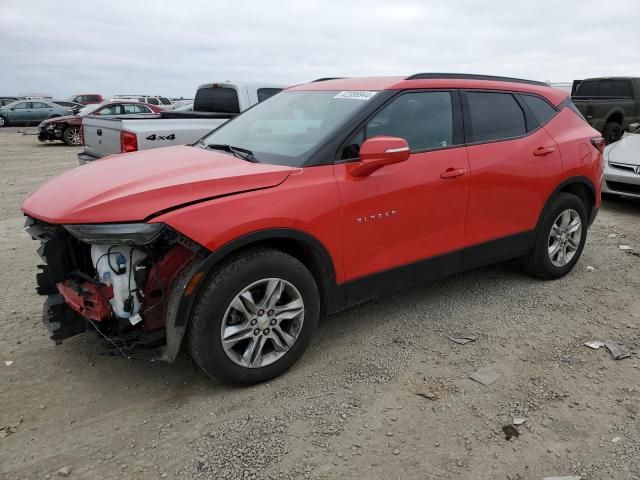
615	88
587	88
495	116
92	98
264	93
217	99
540	108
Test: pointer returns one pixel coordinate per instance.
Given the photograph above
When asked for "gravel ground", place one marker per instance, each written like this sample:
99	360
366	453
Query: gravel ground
349	408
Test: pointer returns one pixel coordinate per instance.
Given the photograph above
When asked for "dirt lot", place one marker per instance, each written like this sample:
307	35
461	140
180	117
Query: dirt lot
348	408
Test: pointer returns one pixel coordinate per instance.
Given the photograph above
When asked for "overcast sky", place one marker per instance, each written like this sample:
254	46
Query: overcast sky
170	47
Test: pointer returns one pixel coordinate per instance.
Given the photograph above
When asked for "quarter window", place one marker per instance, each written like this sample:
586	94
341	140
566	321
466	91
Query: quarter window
264	93
495	116
540	108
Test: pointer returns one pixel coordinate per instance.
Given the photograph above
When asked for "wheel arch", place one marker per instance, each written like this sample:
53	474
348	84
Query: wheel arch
580	186
616	116
303	246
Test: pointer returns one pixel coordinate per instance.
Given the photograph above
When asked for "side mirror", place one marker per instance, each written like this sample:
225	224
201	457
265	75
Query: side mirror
633	127
378	152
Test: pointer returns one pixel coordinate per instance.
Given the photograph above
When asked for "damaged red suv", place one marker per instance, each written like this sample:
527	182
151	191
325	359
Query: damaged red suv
322	197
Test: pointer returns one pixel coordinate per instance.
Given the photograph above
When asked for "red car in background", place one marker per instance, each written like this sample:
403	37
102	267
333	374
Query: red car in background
67	128
87	98
324	196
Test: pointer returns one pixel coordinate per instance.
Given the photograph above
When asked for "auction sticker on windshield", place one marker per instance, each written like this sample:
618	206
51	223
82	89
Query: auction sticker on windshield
356	95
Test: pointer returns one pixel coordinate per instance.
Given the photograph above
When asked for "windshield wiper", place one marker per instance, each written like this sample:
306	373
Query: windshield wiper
241	153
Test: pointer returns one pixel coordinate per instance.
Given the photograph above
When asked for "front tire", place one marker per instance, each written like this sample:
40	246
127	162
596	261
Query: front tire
559	239
255	317
71	136
3	122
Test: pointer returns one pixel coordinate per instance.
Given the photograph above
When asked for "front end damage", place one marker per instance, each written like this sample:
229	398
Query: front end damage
117	282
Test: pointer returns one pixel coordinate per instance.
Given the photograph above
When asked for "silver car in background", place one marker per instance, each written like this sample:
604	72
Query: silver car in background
622	165
24	112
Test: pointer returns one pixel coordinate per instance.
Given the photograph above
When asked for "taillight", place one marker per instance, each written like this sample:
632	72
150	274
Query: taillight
128	142
598	142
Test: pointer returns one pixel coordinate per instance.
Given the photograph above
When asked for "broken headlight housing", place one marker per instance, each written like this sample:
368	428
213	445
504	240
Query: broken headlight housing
117	233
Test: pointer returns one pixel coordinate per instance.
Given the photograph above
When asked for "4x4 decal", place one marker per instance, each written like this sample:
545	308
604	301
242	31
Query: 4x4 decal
155	137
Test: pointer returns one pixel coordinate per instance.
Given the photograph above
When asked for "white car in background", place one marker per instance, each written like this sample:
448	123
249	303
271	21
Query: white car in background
622	165
157	100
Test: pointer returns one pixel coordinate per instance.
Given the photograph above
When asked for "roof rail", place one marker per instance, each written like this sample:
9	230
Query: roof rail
324	79
471	76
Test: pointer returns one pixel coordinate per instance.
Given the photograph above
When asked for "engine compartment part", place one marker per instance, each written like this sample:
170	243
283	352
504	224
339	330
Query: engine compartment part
115	266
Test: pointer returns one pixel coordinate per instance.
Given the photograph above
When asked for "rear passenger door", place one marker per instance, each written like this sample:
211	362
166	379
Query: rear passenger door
40	111
514	164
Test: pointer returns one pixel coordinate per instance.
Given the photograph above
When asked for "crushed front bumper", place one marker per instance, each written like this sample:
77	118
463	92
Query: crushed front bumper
49	133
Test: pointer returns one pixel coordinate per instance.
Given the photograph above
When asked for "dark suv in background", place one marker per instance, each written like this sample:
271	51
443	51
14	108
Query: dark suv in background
609	104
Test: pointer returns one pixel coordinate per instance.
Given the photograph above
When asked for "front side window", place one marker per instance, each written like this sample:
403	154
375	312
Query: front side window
615	89
39	105
540	108
286	129
153	101
423	119
495	116
164	100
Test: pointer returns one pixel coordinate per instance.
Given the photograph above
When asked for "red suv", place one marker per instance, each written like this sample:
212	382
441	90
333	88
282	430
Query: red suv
319	198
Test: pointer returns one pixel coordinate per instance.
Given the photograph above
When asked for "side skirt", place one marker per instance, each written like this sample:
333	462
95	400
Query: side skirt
418	273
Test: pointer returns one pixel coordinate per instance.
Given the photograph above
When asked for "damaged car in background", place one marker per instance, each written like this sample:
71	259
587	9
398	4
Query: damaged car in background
324	196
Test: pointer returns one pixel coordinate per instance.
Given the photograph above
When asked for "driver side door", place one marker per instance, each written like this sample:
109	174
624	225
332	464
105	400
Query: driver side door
404	223
21	112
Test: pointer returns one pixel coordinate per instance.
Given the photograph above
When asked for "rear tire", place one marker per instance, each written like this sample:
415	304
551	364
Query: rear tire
260	340
612	132
71	136
3	122
559	238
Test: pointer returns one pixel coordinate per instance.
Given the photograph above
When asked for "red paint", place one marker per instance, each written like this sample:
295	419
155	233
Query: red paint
159	280
429	204
87	299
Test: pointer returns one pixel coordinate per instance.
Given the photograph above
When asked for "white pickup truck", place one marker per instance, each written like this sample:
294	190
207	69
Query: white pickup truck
214	104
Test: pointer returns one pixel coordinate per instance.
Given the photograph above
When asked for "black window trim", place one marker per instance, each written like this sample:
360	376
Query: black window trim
467	117
528	110
457	117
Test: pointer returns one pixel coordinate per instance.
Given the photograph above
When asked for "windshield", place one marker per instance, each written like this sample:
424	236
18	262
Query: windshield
89	109
286	128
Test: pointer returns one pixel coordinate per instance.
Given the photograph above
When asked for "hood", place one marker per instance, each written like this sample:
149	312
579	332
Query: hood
134	186
72	119
626	150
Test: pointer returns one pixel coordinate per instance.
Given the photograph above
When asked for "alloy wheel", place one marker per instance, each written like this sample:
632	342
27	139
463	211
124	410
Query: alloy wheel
73	136
565	237
262	323
2	121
